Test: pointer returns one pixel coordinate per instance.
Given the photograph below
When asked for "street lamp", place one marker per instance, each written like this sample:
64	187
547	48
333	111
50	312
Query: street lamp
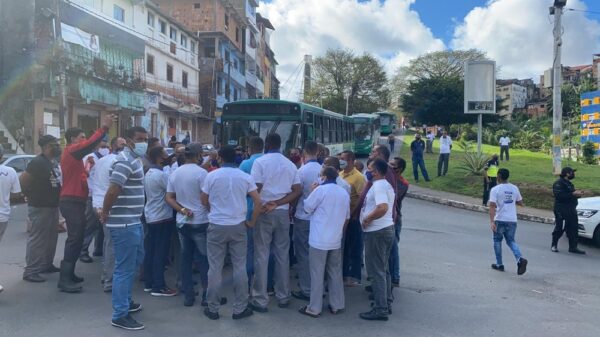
347	91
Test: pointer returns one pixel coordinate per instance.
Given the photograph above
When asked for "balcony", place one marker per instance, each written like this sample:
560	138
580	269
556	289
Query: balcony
251	78
221	100
260	87
237	76
185	95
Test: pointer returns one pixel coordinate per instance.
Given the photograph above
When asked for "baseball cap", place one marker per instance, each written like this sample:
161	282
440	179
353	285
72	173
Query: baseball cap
567	170
46	139
193	148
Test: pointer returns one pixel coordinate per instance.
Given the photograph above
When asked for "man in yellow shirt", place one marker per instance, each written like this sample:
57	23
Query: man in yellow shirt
353	246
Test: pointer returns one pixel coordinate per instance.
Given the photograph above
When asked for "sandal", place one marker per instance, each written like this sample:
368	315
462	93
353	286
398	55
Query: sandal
335	312
304	311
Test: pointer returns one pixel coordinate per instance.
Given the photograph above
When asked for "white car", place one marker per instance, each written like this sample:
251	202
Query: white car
18	162
588	213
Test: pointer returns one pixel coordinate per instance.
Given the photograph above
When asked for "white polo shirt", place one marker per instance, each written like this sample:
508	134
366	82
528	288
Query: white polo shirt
380	193
186	182
445	144
101	179
504	141
155	186
277	174
329	206
227	189
9	183
309	174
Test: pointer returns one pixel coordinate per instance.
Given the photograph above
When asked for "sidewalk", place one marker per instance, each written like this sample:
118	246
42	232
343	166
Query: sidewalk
470	203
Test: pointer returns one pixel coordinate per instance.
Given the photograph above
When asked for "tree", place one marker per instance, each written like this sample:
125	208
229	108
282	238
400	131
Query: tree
340	72
442	64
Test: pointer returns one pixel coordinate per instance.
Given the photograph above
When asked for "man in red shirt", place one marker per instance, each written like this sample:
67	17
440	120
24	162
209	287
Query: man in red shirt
73	198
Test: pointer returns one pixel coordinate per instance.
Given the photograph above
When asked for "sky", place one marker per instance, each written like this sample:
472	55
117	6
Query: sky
517	34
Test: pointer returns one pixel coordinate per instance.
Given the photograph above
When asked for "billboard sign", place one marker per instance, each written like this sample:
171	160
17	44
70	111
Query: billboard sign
590	118
480	87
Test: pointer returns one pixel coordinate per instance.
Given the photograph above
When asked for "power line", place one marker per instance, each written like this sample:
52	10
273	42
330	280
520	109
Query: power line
582	11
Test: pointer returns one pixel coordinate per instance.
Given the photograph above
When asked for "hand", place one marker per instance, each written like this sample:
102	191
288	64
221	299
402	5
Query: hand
493	227
108	121
314	186
578	193
250	224
99	212
103	217
187	212
366	222
269	206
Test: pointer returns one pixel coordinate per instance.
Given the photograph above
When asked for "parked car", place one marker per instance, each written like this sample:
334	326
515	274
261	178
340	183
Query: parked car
18	162
588	213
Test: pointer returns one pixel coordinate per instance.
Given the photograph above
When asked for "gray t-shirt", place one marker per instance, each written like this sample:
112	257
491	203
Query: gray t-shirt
127	172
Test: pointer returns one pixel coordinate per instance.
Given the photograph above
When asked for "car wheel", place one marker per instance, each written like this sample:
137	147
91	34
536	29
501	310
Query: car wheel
597	235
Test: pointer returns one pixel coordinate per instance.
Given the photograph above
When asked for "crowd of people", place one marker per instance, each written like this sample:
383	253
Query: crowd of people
319	216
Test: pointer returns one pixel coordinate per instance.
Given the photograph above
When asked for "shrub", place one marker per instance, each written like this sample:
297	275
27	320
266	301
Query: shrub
589	153
472	162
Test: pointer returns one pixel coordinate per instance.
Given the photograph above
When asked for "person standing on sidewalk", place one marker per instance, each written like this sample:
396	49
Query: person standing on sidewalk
445	147
378	224
353	247
279	185
224	193
160	224
504	199
565	210
391	142
121	212
309	174
329	207
10	189
417	148
398	165
41	183
100	184
73	198
504	147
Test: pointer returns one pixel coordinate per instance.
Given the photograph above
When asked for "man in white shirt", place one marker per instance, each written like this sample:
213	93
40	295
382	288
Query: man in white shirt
504	199
430	137
329	207
99	185
9	189
159	224
377	221
309	174
183	194
445	147
224	193
504	146
279	184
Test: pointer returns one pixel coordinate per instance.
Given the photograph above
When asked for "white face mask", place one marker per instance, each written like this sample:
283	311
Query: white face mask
343	164
104	151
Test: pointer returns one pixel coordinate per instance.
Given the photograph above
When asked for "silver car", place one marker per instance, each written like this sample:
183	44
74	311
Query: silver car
18	162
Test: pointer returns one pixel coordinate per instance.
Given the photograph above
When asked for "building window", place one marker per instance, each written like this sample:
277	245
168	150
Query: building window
183	41
235	94
184	124
237	35
169	73
163	27
118	13
150	64
226	57
184	79
150	19
235	64
193	47
226	22
219	86
196	6
173	34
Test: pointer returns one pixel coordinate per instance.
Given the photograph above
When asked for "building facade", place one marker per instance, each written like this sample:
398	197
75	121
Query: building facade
513	96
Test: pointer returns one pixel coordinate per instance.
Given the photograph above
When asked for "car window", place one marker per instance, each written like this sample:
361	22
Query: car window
18	164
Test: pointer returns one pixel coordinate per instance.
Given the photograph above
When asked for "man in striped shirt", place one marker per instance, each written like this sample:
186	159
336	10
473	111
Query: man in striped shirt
121	212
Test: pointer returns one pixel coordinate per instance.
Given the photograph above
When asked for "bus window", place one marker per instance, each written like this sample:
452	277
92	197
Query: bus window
338	131
326	131
318	129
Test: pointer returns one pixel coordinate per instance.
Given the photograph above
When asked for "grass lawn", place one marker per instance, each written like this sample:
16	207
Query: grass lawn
530	171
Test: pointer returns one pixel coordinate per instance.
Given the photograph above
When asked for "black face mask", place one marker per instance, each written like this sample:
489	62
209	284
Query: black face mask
571	177
166	162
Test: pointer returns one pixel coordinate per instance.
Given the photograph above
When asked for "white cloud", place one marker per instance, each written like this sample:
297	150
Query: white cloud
518	35
390	30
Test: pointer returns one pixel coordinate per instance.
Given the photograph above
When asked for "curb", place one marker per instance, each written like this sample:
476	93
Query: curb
476	208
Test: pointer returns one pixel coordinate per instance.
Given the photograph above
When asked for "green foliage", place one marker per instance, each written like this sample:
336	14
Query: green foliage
529	140
340	71
589	153
471	162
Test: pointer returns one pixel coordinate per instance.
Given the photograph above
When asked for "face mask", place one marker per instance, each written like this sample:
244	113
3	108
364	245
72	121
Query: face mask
571	177
343	164
369	176
104	151
295	158
321	180
166	162
214	163
119	149
140	148
57	152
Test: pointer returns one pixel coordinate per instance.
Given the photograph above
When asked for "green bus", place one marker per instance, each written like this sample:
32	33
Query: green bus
294	122
366	132
388	122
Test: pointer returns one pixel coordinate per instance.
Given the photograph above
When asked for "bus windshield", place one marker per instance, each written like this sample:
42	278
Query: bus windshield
238	132
385	120
362	131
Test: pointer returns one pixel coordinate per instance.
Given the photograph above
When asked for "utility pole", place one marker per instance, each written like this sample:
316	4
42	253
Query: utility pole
62	77
348	91
557	10
307	76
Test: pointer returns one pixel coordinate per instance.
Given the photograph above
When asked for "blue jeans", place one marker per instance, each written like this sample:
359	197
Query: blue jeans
507	231
417	161
353	251
158	240
395	254
193	239
128	244
250	261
